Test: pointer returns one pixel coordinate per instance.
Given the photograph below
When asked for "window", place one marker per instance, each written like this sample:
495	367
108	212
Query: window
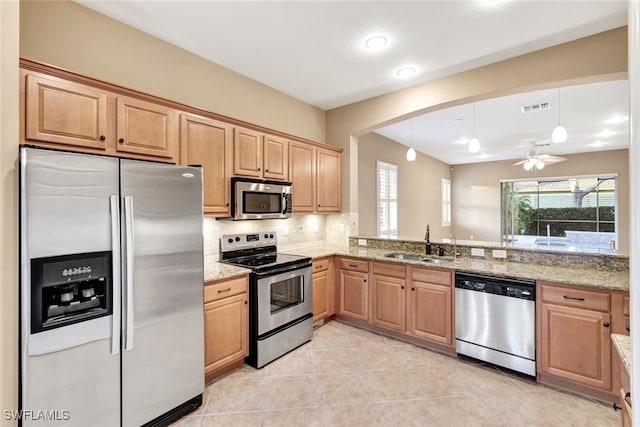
446	202
568	213
387	191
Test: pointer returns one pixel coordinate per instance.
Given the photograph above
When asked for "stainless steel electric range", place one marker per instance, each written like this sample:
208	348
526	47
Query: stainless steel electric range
280	294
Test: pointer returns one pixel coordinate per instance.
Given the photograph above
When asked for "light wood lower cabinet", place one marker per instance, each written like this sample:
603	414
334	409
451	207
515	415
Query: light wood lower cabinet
323	288
574	328
225	324
354	289
388	296
431	305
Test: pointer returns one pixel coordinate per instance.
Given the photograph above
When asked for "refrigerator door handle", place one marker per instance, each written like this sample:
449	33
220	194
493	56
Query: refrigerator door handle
117	279
129	244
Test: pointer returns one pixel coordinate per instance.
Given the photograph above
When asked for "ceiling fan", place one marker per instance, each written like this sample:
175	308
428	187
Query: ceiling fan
539	161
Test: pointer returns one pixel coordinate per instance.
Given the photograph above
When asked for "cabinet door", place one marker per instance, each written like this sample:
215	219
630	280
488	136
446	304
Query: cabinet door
575	345
320	297
430	309
146	128
226	331
207	142
388	298
247	152
275	157
65	113
302	174
354	294
328	190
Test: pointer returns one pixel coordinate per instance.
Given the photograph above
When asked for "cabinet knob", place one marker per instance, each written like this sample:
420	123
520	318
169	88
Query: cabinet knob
102	137
628	329
401	287
260	168
266	170
365	280
227	204
121	140
413	289
605	324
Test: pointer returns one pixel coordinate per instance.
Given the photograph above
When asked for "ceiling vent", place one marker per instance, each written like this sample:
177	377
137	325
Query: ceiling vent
535	107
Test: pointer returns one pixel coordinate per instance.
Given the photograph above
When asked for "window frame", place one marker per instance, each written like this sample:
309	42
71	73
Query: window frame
445	199
390	168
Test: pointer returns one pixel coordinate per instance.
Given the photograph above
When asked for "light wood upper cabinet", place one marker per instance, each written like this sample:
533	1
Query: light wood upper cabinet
65	113
275	156
430	305
247	152
302	174
328	182
207	142
146	128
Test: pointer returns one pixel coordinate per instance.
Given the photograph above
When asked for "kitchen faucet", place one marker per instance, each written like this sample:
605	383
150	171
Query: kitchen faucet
452	237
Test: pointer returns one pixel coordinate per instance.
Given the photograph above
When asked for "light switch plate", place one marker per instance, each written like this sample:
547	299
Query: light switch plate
477	252
499	253
362	242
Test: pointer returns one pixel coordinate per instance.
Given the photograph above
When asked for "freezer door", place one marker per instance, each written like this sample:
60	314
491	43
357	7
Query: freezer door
163	326
69	375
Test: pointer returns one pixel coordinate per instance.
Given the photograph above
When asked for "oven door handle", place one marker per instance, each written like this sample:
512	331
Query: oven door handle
282	270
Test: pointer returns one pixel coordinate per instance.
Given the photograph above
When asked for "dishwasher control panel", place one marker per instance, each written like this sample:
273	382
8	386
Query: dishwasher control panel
508	287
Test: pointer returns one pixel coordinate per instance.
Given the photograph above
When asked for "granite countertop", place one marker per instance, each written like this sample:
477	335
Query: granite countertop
594	278
214	270
622	343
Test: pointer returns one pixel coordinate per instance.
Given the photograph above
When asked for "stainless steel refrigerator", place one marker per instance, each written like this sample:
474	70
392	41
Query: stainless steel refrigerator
111	290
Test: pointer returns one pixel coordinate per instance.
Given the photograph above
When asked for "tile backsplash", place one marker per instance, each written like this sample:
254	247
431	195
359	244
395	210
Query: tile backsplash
299	230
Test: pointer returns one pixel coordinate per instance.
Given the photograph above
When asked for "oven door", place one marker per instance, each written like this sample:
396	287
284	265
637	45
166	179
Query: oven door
283	297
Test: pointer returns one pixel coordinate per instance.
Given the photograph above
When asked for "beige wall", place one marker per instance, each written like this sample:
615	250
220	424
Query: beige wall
418	188
599	57
70	36
9	31
475	191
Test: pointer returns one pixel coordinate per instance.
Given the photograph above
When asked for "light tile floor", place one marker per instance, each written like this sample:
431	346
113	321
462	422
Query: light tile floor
350	377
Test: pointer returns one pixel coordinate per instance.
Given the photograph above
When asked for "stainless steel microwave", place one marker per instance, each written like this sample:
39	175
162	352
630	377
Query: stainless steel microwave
260	199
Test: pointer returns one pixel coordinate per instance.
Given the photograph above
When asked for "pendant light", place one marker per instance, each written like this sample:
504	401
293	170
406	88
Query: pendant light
411	153
474	144
559	133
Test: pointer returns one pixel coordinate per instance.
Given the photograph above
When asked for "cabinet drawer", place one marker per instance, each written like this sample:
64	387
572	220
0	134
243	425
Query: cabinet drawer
389	270
427	275
320	264
354	264
217	290
575	298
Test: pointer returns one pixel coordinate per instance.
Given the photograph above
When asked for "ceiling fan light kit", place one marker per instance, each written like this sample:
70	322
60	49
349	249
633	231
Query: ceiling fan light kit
411	153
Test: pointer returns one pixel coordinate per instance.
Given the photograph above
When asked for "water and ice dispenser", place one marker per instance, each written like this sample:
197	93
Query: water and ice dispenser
69	289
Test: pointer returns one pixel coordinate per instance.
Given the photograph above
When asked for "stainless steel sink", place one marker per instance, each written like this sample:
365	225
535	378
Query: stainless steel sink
418	257
411	257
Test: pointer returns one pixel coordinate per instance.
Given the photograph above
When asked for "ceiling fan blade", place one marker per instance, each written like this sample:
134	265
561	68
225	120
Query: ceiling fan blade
548	158
521	162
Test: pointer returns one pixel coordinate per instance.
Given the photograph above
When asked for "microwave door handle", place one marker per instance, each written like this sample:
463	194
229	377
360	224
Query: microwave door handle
285	203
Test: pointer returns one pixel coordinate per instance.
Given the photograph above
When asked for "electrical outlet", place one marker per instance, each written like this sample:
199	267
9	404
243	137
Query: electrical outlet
341	228
285	231
316	228
499	253
477	252
301	229
362	242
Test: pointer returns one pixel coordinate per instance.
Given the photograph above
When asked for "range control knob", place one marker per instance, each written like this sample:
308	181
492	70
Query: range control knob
230	240
266	236
237	239
271	236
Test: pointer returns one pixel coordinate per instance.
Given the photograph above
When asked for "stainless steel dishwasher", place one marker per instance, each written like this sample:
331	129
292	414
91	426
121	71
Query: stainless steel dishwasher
495	320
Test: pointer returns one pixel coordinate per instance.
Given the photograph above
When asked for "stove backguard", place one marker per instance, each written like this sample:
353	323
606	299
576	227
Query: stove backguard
70	289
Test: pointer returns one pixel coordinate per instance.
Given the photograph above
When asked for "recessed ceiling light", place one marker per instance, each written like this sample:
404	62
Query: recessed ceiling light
376	42
616	119
605	134
404	72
